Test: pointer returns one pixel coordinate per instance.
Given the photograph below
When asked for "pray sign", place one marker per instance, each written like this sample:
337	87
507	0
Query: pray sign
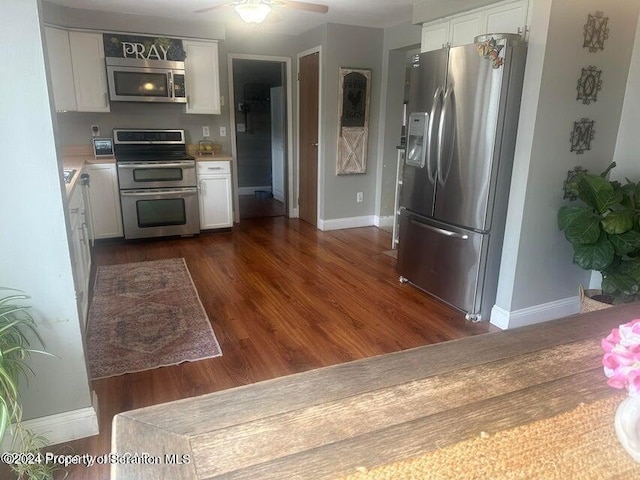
143	47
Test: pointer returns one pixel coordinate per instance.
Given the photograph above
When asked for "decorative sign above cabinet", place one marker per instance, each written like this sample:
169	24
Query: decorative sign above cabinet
142	47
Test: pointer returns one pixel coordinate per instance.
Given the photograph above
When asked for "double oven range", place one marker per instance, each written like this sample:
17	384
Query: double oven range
157	178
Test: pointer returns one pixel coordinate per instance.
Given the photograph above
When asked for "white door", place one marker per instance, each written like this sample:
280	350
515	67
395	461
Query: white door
277	142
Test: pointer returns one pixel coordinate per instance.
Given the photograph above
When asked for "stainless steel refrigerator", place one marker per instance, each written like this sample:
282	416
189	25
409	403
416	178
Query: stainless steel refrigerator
463	111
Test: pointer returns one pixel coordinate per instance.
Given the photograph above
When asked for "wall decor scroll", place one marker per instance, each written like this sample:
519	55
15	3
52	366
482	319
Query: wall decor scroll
589	84
596	32
354	93
582	135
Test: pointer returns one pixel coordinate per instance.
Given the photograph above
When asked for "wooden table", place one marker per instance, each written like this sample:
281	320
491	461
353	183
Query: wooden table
323	423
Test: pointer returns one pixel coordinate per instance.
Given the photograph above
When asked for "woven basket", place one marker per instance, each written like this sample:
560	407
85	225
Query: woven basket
588	304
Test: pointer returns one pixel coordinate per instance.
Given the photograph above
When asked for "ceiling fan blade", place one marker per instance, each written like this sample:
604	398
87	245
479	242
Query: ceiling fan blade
309	7
208	9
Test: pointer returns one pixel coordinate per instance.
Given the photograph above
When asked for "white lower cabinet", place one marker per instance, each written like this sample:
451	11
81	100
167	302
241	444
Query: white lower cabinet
214	187
80	250
105	200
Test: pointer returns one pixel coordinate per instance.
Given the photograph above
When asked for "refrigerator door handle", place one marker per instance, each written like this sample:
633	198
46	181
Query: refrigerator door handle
441	231
437	105
445	136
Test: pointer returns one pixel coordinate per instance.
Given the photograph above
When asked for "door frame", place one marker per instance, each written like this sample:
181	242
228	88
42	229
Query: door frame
320	196
232	128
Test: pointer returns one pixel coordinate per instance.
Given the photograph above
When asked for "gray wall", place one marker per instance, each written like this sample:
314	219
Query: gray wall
358	47
35	249
537	261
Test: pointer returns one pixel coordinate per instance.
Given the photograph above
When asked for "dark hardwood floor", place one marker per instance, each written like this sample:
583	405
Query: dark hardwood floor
283	298
254	207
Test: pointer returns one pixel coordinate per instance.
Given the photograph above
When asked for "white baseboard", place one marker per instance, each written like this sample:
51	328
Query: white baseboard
386	221
252	190
348	222
62	427
505	319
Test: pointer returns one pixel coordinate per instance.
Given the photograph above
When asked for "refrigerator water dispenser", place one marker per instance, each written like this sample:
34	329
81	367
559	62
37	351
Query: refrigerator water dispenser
416	140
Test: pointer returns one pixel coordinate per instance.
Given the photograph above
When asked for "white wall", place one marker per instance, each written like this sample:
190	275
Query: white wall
34	249
627	154
537	270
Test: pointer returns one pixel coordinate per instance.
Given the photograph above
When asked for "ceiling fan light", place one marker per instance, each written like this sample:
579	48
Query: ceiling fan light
253	12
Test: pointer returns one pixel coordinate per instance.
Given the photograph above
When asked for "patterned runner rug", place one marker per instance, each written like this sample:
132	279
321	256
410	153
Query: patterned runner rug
146	315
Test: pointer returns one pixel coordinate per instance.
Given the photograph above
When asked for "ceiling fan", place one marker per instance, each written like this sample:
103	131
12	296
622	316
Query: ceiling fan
255	11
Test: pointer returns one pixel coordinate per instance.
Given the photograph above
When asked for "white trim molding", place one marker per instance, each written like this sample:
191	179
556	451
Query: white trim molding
348	222
62	427
386	221
505	319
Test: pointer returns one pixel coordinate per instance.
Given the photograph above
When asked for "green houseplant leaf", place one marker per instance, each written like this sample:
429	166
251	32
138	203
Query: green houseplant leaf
604	230
594	256
598	192
626	242
618	221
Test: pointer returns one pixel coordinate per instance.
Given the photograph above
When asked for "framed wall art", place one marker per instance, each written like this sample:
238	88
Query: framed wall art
354	95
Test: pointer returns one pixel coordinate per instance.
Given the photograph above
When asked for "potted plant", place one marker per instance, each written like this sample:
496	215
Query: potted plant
604	231
16	324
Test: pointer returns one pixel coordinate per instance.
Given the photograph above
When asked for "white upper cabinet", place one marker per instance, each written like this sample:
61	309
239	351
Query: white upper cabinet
435	36
464	29
202	82
59	56
509	18
461	29
89	72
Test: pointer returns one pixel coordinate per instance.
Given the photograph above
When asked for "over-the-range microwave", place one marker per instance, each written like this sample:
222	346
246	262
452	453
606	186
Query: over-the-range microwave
139	80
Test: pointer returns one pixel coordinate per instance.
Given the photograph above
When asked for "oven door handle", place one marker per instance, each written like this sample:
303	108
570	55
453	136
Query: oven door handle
155	193
186	164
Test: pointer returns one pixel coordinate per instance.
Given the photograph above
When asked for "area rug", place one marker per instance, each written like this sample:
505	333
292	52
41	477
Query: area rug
146	315
580	444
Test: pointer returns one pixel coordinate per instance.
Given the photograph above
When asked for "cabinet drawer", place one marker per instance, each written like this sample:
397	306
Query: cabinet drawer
204	168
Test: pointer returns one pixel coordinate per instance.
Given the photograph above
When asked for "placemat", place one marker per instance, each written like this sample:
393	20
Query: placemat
577	444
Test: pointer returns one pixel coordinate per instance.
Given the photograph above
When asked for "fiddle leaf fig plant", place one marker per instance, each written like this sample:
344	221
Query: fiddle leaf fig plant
604	231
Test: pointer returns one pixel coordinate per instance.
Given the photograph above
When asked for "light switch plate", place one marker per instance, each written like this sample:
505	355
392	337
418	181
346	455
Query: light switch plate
223	131
205	131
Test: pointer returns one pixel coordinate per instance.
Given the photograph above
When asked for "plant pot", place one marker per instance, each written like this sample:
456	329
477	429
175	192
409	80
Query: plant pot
588	304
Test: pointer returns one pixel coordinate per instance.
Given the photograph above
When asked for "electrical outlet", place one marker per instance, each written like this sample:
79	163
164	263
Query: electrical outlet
223	131
221	101
205	131
242	128
95	131
359	197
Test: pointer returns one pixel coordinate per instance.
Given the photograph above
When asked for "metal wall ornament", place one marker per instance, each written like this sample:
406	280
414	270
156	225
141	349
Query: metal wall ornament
596	32
589	85
570	185
582	135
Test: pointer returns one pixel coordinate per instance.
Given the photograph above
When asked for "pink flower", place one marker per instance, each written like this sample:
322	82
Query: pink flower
621	360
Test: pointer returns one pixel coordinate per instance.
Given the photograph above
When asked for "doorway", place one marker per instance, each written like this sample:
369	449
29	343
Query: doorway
308	135
261	139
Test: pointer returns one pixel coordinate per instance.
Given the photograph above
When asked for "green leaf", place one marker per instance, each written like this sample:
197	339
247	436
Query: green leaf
630	267
598	192
618	221
594	256
567	214
581	226
626	242
619	282
636	196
